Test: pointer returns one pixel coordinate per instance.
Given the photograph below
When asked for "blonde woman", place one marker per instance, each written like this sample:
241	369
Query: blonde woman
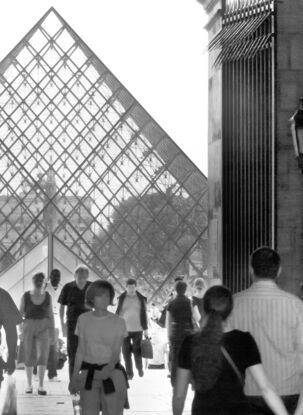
197	300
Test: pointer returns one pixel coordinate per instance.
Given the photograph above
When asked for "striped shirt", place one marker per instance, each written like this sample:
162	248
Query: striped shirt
275	319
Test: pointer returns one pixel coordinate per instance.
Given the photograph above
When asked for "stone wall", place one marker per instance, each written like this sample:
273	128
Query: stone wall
289	180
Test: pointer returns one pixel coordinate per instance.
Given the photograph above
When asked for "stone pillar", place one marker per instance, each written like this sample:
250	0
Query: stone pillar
213	9
289	180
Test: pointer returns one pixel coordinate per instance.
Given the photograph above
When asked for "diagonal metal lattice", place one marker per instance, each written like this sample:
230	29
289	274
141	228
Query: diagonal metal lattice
82	160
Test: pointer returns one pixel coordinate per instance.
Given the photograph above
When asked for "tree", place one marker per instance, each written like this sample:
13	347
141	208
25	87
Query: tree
151	236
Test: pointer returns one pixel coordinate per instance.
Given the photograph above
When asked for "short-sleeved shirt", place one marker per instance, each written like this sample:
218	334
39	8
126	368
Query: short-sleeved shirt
100	335
227	393
180	309
131	310
9	313
275	318
74	298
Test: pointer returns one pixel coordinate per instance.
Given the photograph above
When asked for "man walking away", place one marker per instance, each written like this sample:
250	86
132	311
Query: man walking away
132	307
275	319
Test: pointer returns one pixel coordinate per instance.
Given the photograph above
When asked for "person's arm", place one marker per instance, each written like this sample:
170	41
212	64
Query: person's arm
299	409
52	320
22	311
145	332
77	367
168	321
22	306
196	314
267	390
180	390
11	342
62	322
12	318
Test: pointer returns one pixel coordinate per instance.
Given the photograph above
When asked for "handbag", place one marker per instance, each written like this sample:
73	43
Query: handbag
61	360
233	365
146	348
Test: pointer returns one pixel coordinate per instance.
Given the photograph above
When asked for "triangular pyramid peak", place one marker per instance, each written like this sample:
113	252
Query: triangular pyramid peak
81	159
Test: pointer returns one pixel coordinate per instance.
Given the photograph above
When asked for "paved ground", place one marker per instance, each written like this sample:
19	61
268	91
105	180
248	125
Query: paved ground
148	395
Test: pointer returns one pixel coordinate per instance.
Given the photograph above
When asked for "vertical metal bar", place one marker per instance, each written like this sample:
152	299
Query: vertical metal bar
241	189
246	153
273	126
253	161
245	156
261	144
267	136
236	170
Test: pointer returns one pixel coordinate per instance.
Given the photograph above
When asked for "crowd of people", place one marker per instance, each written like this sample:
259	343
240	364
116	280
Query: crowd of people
241	354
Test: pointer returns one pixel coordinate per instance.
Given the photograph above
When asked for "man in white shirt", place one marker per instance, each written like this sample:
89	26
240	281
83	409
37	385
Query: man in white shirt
275	319
132	307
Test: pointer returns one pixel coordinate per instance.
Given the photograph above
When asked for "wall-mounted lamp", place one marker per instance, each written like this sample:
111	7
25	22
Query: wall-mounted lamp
296	127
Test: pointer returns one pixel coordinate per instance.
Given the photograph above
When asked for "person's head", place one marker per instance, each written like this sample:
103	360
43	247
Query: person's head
265	263
131	286
55	277
218	300
81	275
199	284
180	287
100	294
38	279
206	360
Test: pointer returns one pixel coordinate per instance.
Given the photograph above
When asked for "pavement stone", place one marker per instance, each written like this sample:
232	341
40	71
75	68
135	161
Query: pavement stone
148	395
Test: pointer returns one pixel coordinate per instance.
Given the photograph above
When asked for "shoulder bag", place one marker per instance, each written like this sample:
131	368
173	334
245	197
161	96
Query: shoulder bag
233	365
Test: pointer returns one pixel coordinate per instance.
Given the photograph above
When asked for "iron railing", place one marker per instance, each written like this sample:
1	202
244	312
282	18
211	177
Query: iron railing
247	57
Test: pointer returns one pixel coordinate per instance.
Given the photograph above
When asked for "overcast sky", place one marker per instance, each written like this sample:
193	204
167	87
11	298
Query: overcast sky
156	48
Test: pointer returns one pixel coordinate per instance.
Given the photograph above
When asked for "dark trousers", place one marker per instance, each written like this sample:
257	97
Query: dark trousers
132	343
72	344
52	361
258	403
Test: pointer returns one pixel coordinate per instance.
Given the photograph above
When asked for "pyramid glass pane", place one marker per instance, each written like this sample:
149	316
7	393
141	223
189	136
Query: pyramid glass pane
82	160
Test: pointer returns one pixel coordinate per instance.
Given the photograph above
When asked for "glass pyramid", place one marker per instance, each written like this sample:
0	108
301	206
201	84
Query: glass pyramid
82	161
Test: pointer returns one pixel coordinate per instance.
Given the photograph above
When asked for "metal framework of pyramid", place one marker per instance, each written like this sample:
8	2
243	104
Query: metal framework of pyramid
82	161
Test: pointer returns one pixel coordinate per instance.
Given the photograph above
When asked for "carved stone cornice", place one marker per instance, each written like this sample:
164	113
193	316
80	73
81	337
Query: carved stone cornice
209	5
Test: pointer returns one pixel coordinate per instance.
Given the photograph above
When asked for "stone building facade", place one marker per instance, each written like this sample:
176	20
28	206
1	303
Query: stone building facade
255	186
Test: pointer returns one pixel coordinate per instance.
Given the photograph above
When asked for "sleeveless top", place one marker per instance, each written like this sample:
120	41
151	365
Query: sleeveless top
36	311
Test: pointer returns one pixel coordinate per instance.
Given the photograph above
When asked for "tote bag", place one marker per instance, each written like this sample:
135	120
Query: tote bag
146	348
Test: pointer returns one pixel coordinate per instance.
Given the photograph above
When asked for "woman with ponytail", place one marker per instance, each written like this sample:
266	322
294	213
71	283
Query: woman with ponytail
215	361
